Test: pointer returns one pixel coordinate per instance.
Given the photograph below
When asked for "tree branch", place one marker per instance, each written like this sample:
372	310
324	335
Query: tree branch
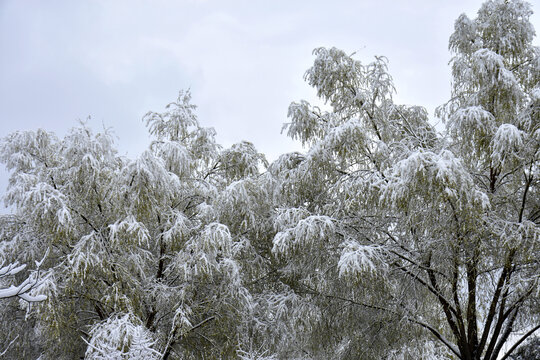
439	336
505	276
523	338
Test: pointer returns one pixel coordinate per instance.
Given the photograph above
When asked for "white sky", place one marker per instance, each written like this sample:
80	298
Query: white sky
244	61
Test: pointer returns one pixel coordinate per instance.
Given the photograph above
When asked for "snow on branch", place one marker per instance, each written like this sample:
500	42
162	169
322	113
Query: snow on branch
308	123
25	289
433	175
357	259
242	160
472	124
121	337
128	230
507	143
306	233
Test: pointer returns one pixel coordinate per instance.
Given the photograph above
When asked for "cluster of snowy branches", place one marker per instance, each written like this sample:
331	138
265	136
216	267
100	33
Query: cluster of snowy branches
385	239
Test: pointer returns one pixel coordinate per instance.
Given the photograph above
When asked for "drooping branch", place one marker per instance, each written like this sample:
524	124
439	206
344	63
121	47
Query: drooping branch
440	337
436	333
429	287
517	343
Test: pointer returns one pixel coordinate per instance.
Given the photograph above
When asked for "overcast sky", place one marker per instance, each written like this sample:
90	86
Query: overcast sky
61	61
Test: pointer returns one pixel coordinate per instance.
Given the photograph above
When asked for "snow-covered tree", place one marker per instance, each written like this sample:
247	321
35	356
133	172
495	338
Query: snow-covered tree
333	223
138	259
384	221
384	240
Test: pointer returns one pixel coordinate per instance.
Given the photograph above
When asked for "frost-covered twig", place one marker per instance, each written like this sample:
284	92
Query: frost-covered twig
23	289
9	345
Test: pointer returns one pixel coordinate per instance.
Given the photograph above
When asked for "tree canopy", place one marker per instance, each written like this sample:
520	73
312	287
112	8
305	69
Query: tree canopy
384	239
